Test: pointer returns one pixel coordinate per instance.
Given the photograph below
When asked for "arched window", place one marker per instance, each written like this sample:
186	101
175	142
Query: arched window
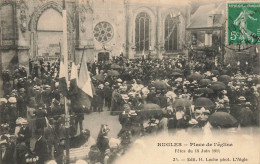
170	33
142	31
7	37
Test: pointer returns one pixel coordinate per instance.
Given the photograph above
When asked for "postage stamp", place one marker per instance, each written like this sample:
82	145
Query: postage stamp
243	23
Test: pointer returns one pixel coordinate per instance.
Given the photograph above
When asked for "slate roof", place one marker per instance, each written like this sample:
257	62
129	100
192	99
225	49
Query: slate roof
199	19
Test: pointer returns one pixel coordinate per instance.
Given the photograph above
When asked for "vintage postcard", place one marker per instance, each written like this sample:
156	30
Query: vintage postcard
129	81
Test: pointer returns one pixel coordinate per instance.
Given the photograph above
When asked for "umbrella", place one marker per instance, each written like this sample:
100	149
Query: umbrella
112	73
115	66
217	86
150	109
203	102
177	70
224	78
205	82
256	81
195	76
245	117
215	72
99	77
224	71
159	84
182	103
222	119
176	74
218	82
205	90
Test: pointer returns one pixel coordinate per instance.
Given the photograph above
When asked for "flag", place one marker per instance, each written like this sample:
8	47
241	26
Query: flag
73	80
84	79
85	85
63	77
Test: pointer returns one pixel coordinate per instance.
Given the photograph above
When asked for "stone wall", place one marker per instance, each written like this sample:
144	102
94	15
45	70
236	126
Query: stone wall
82	18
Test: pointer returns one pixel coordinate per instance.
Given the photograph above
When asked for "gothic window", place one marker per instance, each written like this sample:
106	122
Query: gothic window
142	31
103	32
170	33
7	25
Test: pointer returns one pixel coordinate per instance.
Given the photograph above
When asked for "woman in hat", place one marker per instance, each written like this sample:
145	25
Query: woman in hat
23	132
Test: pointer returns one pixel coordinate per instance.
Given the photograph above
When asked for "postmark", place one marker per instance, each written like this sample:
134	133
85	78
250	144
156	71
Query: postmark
243	23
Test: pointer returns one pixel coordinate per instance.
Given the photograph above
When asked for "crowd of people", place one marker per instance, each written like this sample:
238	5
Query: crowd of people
148	95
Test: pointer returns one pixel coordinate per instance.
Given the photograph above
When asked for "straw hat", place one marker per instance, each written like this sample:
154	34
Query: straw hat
21	121
119	80
125	96
12	100
193	122
3	100
132	113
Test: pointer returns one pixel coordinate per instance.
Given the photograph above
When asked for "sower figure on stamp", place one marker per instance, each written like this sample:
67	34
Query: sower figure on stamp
241	21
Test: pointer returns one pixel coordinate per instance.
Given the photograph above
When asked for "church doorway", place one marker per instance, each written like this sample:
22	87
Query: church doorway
103	56
49	33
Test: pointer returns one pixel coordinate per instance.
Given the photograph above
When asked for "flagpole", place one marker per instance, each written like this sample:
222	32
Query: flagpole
82	56
65	56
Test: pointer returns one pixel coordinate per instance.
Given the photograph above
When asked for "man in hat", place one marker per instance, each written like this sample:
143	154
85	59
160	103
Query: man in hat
163	99
3	111
21	103
51	136
79	117
100	97
82	140
31	115
41	149
107	95
7	151
46	95
156	99
6	76
151	95
116	101
12	113
36	70
40	114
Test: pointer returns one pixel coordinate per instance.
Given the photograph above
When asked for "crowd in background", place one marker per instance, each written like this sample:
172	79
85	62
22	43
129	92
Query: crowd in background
32	106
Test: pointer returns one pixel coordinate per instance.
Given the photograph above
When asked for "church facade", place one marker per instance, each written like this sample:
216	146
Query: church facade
99	29
102	29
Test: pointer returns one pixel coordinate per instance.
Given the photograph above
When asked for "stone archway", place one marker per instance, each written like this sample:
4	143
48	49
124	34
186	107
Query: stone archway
37	33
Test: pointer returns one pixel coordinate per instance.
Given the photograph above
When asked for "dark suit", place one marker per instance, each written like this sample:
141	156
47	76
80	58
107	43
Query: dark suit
8	157
107	94
41	150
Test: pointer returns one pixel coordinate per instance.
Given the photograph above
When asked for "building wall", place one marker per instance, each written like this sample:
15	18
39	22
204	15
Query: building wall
82	18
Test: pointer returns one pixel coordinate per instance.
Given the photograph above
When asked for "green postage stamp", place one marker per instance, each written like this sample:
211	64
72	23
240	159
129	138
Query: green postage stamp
243	22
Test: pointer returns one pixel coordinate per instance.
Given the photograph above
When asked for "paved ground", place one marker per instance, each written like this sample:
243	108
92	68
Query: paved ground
94	120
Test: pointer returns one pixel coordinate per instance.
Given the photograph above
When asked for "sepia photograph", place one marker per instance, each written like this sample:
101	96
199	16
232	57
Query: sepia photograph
129	81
